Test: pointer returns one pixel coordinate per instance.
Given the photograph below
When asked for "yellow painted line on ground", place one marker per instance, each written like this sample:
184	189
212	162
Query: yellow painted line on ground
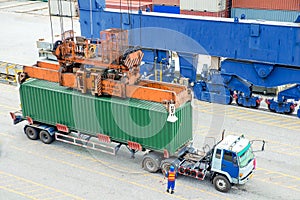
3	113
96	172
22	187
283	144
25	194
32	191
203	106
93	159
117	178
292	128
286	153
137	184
16	192
19	4
6	182
275	146
262	116
259	117
233	112
288	125
7	135
189	187
277	123
9	107
278	176
238	115
293	186
44	194
282	185
252	117
266	118
204	111
51	198
267	171
127	169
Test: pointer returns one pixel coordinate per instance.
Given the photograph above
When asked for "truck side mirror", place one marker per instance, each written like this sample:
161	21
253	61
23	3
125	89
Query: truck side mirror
262	146
234	160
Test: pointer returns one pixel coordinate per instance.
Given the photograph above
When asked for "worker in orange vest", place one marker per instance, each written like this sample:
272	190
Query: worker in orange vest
171	175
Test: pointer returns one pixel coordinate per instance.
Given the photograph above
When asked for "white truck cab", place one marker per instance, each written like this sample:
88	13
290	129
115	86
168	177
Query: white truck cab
233	162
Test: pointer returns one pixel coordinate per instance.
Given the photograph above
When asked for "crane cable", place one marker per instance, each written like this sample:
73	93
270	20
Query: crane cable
91	19
51	23
129	12
71	12
140	22
59	6
121	19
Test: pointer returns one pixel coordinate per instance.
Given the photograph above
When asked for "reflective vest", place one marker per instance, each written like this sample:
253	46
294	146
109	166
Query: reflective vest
171	176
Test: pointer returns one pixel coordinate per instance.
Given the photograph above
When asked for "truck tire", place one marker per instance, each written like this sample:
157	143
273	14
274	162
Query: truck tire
221	183
45	137
31	133
151	162
165	165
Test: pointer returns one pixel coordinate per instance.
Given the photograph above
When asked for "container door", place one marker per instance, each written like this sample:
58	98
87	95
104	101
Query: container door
229	164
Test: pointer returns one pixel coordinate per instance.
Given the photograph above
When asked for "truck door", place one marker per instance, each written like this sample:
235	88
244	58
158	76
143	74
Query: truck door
229	164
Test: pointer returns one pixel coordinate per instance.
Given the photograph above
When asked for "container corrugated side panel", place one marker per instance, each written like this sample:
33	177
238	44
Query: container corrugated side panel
135	120
223	13
267	4
270	15
203	5
131	5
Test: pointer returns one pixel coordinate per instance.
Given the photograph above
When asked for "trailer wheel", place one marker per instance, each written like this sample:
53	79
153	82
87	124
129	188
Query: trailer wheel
45	137
221	183
31	133
151	162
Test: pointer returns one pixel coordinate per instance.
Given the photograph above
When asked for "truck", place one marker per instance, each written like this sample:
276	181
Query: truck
54	112
94	98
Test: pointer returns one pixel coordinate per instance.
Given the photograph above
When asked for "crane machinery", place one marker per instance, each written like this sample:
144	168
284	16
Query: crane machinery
104	67
248	52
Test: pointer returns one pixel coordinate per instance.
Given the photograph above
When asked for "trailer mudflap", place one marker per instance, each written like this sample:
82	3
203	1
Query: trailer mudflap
16	117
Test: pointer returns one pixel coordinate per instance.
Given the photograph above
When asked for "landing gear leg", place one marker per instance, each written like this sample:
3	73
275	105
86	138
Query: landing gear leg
117	148
132	151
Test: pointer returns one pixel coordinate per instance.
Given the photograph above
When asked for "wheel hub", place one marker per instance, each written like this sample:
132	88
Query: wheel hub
221	184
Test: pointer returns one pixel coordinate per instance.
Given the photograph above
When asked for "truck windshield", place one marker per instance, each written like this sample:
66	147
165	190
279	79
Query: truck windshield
245	156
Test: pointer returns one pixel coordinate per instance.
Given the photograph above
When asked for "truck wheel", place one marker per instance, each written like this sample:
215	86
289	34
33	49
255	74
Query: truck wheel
165	165
46	137
151	162
221	183
31	133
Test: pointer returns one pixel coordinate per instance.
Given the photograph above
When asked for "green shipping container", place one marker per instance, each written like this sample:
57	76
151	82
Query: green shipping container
123	120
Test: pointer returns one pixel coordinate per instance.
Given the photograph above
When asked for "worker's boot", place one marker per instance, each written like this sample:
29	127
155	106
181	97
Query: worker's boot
167	190
172	191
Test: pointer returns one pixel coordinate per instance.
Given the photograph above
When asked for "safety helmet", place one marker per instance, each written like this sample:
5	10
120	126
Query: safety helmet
172	168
